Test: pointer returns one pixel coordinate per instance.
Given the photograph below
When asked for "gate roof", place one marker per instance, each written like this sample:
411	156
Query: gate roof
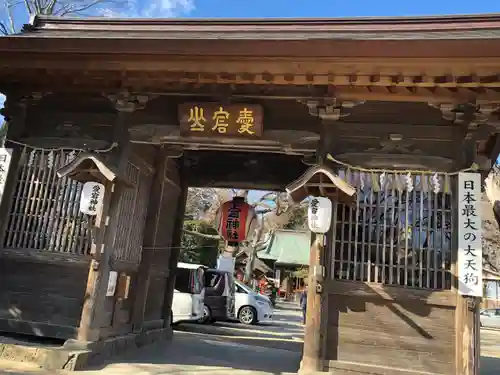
408	55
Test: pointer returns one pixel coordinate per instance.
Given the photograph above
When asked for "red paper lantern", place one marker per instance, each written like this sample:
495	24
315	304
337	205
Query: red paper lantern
236	220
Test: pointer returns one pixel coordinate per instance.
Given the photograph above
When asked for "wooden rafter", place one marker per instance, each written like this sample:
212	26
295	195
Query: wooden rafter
342	93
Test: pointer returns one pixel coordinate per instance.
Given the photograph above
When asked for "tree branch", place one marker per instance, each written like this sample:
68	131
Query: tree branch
7	26
3	29
13	9
198	234
263	212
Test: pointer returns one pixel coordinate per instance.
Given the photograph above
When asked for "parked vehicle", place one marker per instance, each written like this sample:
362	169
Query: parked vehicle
189	292
219	303
490	318
251	306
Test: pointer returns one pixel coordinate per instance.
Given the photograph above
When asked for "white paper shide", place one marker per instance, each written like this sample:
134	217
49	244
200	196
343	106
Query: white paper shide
92	198
470	252
5	158
319	214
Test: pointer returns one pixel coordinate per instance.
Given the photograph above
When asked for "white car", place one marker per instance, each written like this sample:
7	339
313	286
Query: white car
490	318
250	306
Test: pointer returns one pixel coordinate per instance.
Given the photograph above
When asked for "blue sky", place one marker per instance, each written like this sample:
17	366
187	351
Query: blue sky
270	8
333	8
282	8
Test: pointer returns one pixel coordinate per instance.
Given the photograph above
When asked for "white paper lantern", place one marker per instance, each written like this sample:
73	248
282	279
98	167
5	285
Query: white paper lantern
319	214
92	198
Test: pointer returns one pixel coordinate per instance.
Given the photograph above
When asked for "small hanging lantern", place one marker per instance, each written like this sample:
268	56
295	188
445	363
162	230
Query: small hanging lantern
91	198
236	220
319	214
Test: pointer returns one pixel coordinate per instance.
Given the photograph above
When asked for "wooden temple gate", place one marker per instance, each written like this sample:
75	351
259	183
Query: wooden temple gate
394	95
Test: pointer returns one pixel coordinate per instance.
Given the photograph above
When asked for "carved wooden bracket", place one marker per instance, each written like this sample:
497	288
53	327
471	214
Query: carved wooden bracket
471	116
329	109
448	110
127	102
488	113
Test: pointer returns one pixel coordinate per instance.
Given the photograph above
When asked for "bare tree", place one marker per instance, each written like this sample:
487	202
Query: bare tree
273	209
491	219
275	215
24	10
7	24
3	133
202	203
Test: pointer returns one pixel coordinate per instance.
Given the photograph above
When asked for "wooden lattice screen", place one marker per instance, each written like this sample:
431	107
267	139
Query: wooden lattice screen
44	212
132	210
398	232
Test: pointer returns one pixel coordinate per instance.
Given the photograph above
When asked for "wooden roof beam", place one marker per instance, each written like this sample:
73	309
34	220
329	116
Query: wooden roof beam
435	95
367	80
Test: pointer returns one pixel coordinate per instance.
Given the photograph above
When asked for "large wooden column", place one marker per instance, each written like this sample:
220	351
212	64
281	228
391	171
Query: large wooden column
93	312
98	277
312	358
473	120
174	254
92	167
157	243
318	180
467	327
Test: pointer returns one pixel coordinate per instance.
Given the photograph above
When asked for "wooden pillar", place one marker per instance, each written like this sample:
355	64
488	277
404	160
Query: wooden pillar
97	281
467	330
149	242
158	217
176	243
312	359
106	222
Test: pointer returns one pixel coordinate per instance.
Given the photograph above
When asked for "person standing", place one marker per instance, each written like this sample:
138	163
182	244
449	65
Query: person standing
274	294
303	304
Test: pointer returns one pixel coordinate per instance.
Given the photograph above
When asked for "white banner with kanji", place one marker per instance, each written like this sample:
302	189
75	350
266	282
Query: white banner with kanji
470	252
